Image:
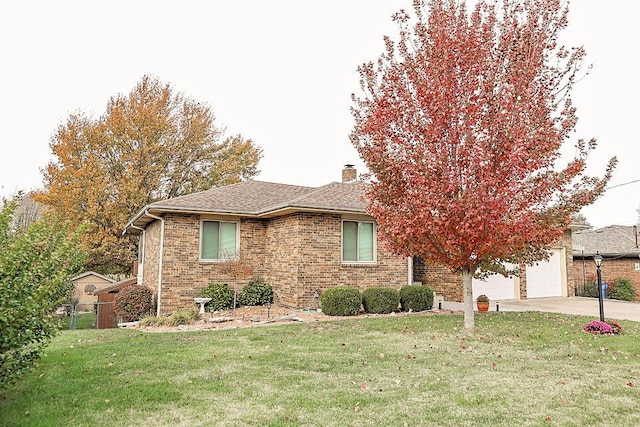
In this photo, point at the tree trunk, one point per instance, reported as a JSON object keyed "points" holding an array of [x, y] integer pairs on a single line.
{"points": [[468, 298]]}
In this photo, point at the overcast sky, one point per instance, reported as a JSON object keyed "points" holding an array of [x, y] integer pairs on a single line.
{"points": [[278, 72]]}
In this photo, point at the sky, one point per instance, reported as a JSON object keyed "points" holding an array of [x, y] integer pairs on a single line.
{"points": [[280, 72]]}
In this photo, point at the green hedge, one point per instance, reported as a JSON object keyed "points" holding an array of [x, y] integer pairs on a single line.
{"points": [[416, 298], [622, 289], [341, 301], [221, 297], [256, 293], [380, 300]]}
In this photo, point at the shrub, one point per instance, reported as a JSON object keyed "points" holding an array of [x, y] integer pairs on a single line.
{"points": [[590, 290], [597, 327], [341, 301], [622, 289], [221, 297], [256, 293], [36, 262], [133, 302], [153, 321], [416, 298], [380, 300]]}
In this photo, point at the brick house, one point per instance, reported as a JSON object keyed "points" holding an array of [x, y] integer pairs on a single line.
{"points": [[619, 247], [300, 240]]}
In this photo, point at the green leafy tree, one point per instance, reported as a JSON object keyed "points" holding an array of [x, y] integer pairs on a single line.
{"points": [[36, 263], [151, 145]]}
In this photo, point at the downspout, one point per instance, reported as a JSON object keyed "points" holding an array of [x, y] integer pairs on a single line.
{"points": [[410, 270], [159, 258]]}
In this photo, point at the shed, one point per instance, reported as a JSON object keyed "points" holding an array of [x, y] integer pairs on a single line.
{"points": [[86, 284], [106, 315]]}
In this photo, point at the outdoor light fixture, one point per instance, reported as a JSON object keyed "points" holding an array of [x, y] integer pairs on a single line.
{"points": [[597, 258]]}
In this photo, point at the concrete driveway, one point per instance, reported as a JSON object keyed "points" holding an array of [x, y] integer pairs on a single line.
{"points": [[613, 309]]}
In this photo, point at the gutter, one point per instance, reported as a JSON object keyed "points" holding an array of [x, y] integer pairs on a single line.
{"points": [[146, 212]]}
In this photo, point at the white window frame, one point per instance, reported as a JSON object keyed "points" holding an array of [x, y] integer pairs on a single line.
{"points": [[213, 260], [374, 237]]}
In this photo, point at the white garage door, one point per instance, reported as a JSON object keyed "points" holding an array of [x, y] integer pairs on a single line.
{"points": [[496, 287], [545, 279]]}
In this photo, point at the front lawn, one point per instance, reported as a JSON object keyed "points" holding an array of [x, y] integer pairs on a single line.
{"points": [[517, 369]]}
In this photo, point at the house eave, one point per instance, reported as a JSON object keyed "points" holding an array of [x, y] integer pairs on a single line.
{"points": [[141, 220], [607, 255]]}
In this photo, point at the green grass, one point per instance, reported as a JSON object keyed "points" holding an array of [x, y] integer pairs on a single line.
{"points": [[84, 320], [516, 369]]}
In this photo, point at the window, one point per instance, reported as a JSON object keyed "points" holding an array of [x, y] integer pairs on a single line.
{"points": [[358, 241], [218, 240]]}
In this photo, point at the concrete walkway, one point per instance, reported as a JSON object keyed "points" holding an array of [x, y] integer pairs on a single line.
{"points": [[613, 309]]}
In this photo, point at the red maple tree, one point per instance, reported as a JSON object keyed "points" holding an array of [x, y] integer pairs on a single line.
{"points": [[461, 123]]}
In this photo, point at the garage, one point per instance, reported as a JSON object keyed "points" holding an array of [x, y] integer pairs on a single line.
{"points": [[546, 278], [543, 280], [496, 287]]}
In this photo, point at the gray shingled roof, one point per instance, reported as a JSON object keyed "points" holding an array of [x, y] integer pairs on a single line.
{"points": [[259, 198], [613, 240], [249, 198]]}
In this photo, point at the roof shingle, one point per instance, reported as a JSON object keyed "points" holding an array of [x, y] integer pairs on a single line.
{"points": [[260, 198], [613, 240]]}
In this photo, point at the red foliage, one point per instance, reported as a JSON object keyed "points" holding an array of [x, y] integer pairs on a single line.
{"points": [[461, 125], [133, 302]]}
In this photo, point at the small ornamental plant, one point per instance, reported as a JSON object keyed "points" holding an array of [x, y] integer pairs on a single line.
{"points": [[617, 328], [482, 298], [598, 327]]}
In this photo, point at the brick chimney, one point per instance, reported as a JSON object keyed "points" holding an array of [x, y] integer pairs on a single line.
{"points": [[349, 173]]}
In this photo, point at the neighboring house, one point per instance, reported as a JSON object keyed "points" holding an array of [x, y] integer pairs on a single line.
{"points": [[550, 278], [86, 284], [300, 240], [619, 247]]}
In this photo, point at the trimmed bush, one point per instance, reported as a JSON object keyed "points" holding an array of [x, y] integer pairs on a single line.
{"points": [[221, 297], [416, 298], [622, 289], [256, 293], [133, 302], [341, 301], [380, 300]]}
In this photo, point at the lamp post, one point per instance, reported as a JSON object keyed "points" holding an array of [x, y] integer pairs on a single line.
{"points": [[598, 260]]}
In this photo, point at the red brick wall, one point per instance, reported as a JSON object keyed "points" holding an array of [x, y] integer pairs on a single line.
{"points": [[151, 256], [611, 270], [439, 278], [320, 264], [296, 254]]}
